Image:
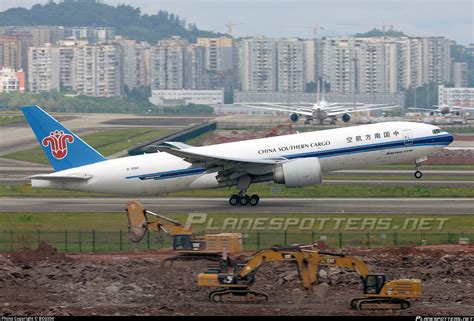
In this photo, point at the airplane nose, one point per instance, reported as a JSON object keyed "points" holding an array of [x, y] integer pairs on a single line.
{"points": [[450, 138]]}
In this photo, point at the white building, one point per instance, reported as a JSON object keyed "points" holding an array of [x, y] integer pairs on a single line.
{"points": [[98, 70], [291, 65], [11, 80], [168, 60], [385, 64], [457, 96], [44, 66], [258, 64], [186, 96], [459, 73], [136, 62]]}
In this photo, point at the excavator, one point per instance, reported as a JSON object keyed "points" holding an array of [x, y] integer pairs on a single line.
{"points": [[379, 292], [215, 247]]}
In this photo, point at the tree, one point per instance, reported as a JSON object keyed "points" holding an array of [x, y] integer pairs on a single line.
{"points": [[422, 97], [127, 21]]}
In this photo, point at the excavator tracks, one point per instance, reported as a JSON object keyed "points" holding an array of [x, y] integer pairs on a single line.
{"points": [[379, 304], [237, 296]]}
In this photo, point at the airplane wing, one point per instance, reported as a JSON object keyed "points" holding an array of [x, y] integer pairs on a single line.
{"points": [[425, 109], [459, 107], [212, 161], [339, 112], [64, 178], [227, 167], [282, 109]]}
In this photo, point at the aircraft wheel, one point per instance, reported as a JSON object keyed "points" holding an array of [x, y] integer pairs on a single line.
{"points": [[254, 199], [244, 200], [418, 174], [234, 199]]}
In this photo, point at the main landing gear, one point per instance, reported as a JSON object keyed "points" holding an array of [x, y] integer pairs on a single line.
{"points": [[242, 198]]}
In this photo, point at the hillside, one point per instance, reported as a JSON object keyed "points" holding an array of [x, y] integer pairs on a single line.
{"points": [[127, 21]]}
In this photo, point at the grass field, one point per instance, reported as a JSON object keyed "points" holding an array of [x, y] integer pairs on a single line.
{"points": [[269, 190], [11, 119], [107, 232], [114, 221], [106, 142]]}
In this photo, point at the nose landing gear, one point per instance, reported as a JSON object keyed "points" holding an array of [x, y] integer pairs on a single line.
{"points": [[418, 174]]}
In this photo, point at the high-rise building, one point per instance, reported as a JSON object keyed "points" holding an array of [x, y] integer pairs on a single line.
{"points": [[10, 52], [459, 72], [219, 62], [384, 64], [136, 67], [291, 65], [98, 70], [43, 72], [176, 64], [313, 59], [168, 64], [258, 64], [195, 76], [219, 53]]}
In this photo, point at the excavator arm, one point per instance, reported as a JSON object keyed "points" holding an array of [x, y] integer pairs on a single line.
{"points": [[339, 260], [138, 223]]}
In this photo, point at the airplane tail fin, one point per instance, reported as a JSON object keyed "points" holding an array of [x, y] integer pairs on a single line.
{"points": [[62, 147]]}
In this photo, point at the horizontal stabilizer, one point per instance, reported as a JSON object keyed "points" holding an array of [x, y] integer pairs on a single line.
{"points": [[56, 178]]}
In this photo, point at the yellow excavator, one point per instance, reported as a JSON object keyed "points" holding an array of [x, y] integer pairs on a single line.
{"points": [[186, 245], [379, 293]]}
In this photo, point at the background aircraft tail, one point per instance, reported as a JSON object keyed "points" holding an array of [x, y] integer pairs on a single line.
{"points": [[62, 147]]}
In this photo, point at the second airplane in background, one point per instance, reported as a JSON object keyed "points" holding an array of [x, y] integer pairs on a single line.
{"points": [[319, 111]]}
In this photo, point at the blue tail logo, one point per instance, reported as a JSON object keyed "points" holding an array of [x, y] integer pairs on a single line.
{"points": [[63, 148], [58, 141]]}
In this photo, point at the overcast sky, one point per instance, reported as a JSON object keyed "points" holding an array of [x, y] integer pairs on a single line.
{"points": [[282, 18]]}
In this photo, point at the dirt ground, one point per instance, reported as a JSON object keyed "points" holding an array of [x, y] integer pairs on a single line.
{"points": [[44, 282]]}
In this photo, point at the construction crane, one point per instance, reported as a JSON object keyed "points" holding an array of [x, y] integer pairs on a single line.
{"points": [[185, 244], [378, 291]]}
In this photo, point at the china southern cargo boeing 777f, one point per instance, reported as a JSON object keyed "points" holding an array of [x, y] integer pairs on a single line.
{"points": [[295, 160]]}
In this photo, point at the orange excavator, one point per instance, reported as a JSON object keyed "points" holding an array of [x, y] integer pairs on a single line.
{"points": [[379, 292], [185, 244]]}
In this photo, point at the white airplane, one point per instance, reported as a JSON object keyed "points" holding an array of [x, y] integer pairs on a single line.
{"points": [[320, 110], [295, 160]]}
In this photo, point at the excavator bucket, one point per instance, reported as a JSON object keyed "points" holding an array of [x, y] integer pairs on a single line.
{"points": [[137, 221], [297, 296], [321, 291]]}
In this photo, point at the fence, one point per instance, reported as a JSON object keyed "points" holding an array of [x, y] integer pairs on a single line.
{"points": [[116, 241]]}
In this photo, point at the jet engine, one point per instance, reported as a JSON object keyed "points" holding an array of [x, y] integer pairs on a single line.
{"points": [[346, 117], [294, 117], [300, 172]]}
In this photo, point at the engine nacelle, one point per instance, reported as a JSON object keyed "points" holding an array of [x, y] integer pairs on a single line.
{"points": [[294, 117], [300, 172], [346, 117]]}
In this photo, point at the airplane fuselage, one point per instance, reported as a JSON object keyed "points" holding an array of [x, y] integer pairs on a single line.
{"points": [[336, 149]]}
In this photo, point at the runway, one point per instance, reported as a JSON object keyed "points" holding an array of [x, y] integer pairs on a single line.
{"points": [[433, 206]]}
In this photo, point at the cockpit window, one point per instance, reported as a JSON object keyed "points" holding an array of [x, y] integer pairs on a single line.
{"points": [[436, 131]]}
